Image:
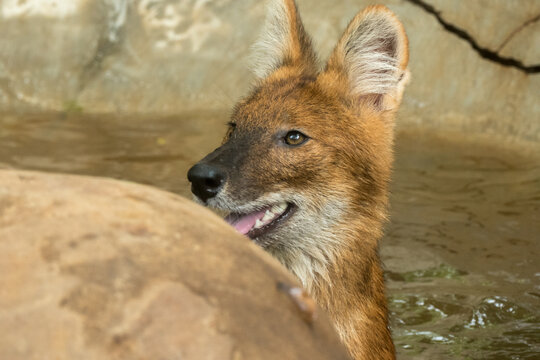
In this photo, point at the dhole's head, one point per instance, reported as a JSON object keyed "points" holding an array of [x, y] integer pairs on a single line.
{"points": [[308, 152]]}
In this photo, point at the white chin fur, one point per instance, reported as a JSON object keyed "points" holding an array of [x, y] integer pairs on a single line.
{"points": [[308, 242]]}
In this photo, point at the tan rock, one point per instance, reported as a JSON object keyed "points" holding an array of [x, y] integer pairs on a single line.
{"points": [[102, 269], [454, 88], [514, 44], [490, 22]]}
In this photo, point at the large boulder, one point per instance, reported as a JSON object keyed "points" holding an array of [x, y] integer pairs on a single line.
{"points": [[101, 269]]}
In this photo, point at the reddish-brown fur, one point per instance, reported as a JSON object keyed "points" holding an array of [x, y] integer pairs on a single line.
{"points": [[340, 175]]}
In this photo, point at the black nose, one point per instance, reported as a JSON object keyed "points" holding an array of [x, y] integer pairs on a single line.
{"points": [[206, 180]]}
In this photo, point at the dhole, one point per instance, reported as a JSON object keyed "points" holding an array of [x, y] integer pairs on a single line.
{"points": [[305, 164]]}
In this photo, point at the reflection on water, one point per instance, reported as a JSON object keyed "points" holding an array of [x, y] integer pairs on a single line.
{"points": [[460, 251], [145, 150]]}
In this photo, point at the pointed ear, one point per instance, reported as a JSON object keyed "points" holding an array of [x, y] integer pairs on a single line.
{"points": [[283, 42], [371, 58]]}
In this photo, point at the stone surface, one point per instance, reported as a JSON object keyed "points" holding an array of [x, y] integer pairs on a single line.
{"points": [[526, 35], [483, 19], [162, 56], [102, 269]]}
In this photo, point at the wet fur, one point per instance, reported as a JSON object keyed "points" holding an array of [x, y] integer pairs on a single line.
{"points": [[338, 179]]}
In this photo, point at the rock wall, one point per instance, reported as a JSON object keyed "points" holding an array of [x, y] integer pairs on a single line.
{"points": [[475, 65], [102, 269]]}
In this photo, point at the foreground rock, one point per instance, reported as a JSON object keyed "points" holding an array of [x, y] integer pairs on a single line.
{"points": [[101, 269]]}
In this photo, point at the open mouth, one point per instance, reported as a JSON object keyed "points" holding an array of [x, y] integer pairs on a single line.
{"points": [[260, 222]]}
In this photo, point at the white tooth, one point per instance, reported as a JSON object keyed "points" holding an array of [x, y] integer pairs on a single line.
{"points": [[258, 224], [279, 208], [267, 216]]}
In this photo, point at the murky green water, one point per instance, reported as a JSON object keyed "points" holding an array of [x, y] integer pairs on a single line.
{"points": [[462, 249]]}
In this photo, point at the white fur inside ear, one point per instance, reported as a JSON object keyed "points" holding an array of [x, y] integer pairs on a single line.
{"points": [[271, 47], [370, 56]]}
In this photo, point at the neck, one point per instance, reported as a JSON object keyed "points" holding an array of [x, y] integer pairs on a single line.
{"points": [[353, 293]]}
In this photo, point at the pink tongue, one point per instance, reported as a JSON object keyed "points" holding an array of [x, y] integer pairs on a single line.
{"points": [[245, 222]]}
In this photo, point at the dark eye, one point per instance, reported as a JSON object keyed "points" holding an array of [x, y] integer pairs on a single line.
{"points": [[295, 138]]}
